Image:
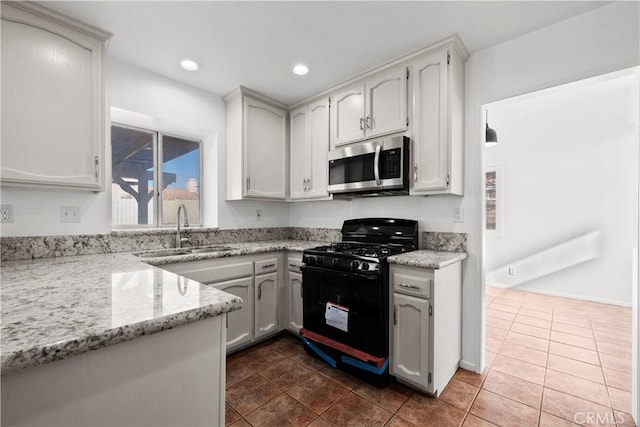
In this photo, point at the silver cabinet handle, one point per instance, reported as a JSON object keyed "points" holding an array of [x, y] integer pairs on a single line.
{"points": [[404, 285], [361, 124], [294, 266], [259, 290], [376, 165], [248, 183], [395, 314], [268, 266], [97, 160], [367, 122], [415, 172]]}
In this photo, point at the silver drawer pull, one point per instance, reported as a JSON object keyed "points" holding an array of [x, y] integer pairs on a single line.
{"points": [[404, 285], [268, 266], [294, 265]]}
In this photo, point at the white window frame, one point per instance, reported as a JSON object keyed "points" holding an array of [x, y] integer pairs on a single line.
{"points": [[160, 128]]}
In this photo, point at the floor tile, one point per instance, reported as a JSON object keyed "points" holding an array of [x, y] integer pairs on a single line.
{"points": [[617, 379], [386, 397], [614, 362], [501, 307], [496, 333], [340, 377], [527, 354], [310, 362], [230, 414], [500, 314], [492, 344], [422, 410], [288, 346], [470, 377], [459, 394], [608, 328], [503, 411], [620, 399], [575, 321], [317, 392], [528, 341], [241, 423], [578, 387], [615, 349], [489, 357], [571, 408], [355, 410], [513, 294], [237, 371], [533, 321], [514, 388], [250, 393], [624, 419], [623, 340], [507, 301], [588, 343], [492, 322], [286, 373], [518, 368], [575, 368], [577, 353], [281, 411], [574, 330], [533, 331], [548, 420], [537, 314], [396, 421], [473, 421], [537, 306], [261, 358]]}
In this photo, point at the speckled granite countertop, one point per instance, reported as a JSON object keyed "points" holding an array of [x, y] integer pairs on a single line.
{"points": [[427, 259], [54, 308]]}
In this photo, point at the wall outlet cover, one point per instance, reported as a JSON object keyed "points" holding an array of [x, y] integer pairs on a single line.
{"points": [[458, 215], [6, 213], [512, 271], [258, 214], [69, 214]]}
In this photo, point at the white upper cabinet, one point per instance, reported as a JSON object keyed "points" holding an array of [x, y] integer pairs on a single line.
{"points": [[377, 106], [309, 145], [437, 126], [52, 99], [256, 147]]}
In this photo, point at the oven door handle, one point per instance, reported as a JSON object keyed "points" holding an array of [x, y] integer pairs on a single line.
{"points": [[376, 165]]}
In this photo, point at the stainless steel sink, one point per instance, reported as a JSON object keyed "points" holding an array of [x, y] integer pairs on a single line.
{"points": [[209, 249], [185, 251], [158, 254]]}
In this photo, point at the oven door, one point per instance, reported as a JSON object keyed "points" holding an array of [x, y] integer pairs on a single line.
{"points": [[364, 298], [368, 166]]}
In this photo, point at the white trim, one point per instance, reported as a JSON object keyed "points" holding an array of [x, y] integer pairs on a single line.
{"points": [[561, 294], [468, 366]]}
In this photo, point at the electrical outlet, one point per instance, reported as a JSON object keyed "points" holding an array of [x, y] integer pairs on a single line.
{"points": [[6, 213], [258, 214], [512, 271], [458, 215], [69, 214]]}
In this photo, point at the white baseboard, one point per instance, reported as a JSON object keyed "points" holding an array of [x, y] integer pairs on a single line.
{"points": [[467, 365], [562, 294]]}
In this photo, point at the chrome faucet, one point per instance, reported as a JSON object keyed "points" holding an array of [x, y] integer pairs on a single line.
{"points": [[180, 240]]}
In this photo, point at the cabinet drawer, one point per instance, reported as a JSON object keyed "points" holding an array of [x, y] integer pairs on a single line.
{"points": [[266, 265], [412, 282], [294, 262], [201, 272]]}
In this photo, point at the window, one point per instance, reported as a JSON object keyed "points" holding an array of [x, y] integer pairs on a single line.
{"points": [[493, 184], [153, 173]]}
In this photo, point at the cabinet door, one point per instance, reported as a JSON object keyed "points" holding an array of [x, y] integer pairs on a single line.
{"points": [[347, 116], [52, 112], [300, 145], [386, 99], [430, 120], [266, 303], [319, 139], [410, 339], [294, 297], [264, 150], [240, 322]]}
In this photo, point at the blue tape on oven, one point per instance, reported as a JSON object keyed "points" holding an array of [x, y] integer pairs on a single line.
{"points": [[360, 364], [320, 353]]}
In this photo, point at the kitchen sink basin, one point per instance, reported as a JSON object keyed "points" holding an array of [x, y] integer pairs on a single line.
{"points": [[185, 251]]}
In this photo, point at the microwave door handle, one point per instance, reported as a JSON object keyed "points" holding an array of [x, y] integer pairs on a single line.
{"points": [[376, 165]]}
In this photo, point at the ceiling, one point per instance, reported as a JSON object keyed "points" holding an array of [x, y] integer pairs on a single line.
{"points": [[256, 44]]}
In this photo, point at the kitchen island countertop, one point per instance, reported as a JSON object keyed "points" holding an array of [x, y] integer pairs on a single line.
{"points": [[427, 259], [53, 308]]}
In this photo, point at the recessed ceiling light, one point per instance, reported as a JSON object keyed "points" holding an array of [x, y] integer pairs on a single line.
{"points": [[300, 69], [189, 64]]}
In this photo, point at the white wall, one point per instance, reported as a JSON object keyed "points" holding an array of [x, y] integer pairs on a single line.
{"points": [[170, 104], [568, 158]]}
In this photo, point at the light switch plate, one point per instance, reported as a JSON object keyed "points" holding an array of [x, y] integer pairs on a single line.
{"points": [[69, 214]]}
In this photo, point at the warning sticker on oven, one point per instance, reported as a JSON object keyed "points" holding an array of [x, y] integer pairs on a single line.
{"points": [[337, 316]]}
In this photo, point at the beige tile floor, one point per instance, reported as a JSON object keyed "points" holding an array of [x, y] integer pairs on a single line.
{"points": [[550, 362]]}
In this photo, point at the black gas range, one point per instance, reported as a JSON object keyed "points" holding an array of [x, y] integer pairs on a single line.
{"points": [[346, 293]]}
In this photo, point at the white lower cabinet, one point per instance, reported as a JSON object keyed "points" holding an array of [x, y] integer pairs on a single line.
{"points": [[425, 325], [239, 322], [294, 294], [266, 304]]}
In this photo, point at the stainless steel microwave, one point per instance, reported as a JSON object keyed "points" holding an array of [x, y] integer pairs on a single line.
{"points": [[375, 167]]}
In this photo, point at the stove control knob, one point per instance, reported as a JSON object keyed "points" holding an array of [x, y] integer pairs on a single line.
{"points": [[320, 260], [336, 262], [365, 266], [354, 265], [311, 260]]}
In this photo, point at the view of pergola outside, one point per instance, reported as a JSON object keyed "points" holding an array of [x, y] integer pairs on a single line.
{"points": [[144, 161]]}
